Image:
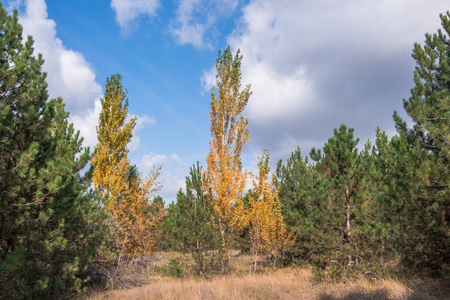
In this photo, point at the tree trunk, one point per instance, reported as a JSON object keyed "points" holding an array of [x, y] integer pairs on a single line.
{"points": [[224, 248], [348, 233]]}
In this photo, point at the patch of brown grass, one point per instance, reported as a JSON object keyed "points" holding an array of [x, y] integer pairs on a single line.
{"points": [[288, 283], [277, 285]]}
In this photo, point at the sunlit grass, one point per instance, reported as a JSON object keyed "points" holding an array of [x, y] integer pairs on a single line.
{"points": [[287, 283]]}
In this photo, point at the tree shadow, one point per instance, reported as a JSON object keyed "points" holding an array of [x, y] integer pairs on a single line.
{"points": [[430, 292], [381, 294]]}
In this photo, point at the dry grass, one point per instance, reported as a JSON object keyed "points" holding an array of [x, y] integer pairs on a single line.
{"points": [[286, 283]]}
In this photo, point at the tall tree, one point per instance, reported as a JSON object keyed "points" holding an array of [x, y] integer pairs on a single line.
{"points": [[110, 161], [127, 193], [190, 226], [428, 141], [50, 223], [224, 178], [342, 213], [341, 170]]}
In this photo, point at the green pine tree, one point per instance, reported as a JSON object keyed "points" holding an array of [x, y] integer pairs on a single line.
{"points": [[342, 220], [295, 181], [50, 224], [158, 208], [424, 153], [190, 224]]}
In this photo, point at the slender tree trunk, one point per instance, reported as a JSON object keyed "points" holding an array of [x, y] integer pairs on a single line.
{"points": [[256, 260], [274, 260], [224, 248], [348, 233], [255, 242]]}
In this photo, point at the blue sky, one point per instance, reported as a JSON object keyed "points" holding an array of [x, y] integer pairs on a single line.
{"points": [[313, 65]]}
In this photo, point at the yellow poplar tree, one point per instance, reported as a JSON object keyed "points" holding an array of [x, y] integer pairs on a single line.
{"points": [[268, 233], [110, 160], [126, 193], [224, 180]]}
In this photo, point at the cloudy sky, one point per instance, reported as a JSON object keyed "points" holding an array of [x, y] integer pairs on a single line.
{"points": [[312, 65]]}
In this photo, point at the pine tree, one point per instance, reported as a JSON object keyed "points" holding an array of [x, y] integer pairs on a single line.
{"points": [[224, 179], [295, 181], [426, 239], [50, 223], [393, 167], [158, 208], [190, 224], [343, 214]]}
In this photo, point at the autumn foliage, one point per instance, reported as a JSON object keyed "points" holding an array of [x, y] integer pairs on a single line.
{"points": [[111, 165], [224, 178], [268, 234], [126, 193]]}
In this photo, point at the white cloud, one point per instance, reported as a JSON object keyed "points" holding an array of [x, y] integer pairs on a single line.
{"points": [[129, 10], [171, 176], [134, 143], [171, 184], [313, 65], [151, 161], [15, 4], [87, 124], [277, 95], [184, 29], [140, 123], [195, 19], [142, 120], [177, 159], [185, 33], [208, 79], [69, 75]]}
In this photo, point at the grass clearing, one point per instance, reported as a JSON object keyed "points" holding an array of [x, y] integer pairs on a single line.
{"points": [[287, 283]]}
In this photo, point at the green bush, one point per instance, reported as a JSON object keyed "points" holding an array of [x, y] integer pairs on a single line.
{"points": [[173, 268]]}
